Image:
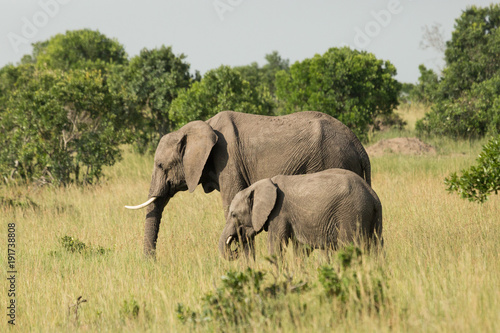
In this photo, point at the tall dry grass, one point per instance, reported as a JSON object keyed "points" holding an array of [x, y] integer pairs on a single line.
{"points": [[441, 257]]}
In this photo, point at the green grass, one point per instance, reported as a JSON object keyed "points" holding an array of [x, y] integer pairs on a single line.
{"points": [[441, 258]]}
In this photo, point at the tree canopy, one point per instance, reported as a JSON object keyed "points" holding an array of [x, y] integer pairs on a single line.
{"points": [[220, 89], [79, 49], [352, 86], [155, 78], [466, 97], [60, 127]]}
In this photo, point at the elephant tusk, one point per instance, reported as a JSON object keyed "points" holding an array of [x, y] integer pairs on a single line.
{"points": [[229, 239], [147, 203]]}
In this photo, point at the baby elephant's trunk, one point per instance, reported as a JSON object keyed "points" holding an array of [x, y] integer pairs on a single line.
{"points": [[226, 241]]}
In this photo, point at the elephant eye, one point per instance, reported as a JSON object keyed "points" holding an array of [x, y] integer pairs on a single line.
{"points": [[160, 165]]}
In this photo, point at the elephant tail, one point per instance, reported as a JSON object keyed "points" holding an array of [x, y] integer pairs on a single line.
{"points": [[365, 162], [367, 168], [377, 225]]}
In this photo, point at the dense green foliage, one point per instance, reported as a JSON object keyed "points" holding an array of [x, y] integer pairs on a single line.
{"points": [[219, 90], [472, 53], [60, 127], [352, 86], [477, 182], [155, 78], [474, 114], [66, 107], [264, 77], [426, 89], [79, 49], [466, 98]]}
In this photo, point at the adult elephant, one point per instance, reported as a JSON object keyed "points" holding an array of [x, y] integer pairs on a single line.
{"points": [[233, 150]]}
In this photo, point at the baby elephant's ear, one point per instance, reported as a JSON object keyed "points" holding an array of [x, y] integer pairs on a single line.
{"points": [[264, 199]]}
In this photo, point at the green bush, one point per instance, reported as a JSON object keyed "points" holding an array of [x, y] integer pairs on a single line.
{"points": [[248, 297], [264, 78], [61, 127], [129, 309], [426, 90], [474, 114], [352, 86], [472, 53], [242, 296], [79, 49], [154, 79], [348, 283], [466, 97], [74, 245], [219, 90], [479, 181]]}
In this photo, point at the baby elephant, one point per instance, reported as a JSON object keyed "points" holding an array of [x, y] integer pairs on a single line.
{"points": [[322, 210]]}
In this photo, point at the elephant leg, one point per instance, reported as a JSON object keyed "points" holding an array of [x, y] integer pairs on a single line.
{"points": [[279, 234]]}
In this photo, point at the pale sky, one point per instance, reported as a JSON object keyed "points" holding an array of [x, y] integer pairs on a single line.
{"points": [[238, 32]]}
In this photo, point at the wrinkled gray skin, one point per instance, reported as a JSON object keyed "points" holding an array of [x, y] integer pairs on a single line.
{"points": [[233, 150], [323, 210]]}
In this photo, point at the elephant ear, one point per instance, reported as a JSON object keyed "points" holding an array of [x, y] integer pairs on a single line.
{"points": [[196, 145], [264, 199]]}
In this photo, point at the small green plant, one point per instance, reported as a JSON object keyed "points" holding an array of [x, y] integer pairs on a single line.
{"points": [[347, 280], [74, 245], [130, 309]]}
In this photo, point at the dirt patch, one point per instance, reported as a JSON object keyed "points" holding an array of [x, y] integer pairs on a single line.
{"points": [[405, 146]]}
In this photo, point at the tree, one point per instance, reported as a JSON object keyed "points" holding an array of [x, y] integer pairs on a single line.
{"points": [[350, 85], [59, 126], [9, 75], [275, 63], [264, 78], [426, 89], [78, 49], [466, 98], [156, 77], [474, 114], [472, 53], [220, 89], [477, 182]]}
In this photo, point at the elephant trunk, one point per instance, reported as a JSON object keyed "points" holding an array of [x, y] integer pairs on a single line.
{"points": [[152, 225], [227, 238]]}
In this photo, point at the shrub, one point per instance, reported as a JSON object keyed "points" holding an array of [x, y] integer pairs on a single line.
{"points": [[62, 127], [245, 298], [74, 245], [479, 181], [347, 282], [474, 114], [219, 90], [79, 49], [155, 78], [129, 309], [352, 86]]}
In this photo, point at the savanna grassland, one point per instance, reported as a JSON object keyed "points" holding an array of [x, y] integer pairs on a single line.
{"points": [[439, 270]]}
